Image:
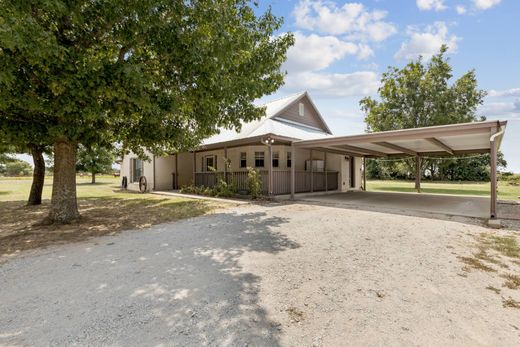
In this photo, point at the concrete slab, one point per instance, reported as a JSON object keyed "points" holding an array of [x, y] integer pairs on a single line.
{"points": [[466, 206]]}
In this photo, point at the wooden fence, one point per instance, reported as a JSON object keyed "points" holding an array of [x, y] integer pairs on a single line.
{"points": [[320, 181]]}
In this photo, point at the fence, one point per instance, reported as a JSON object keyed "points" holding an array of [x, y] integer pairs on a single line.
{"points": [[304, 182]]}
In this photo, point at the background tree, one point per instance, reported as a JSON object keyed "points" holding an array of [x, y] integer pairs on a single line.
{"points": [[15, 168], [155, 74], [420, 95], [95, 160]]}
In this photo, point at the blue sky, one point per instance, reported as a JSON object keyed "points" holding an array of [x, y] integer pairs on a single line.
{"points": [[342, 48]]}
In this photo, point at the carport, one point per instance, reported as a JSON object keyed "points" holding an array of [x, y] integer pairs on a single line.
{"points": [[444, 140]]}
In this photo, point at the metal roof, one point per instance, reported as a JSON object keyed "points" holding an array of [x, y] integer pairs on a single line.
{"points": [[450, 139], [270, 125]]}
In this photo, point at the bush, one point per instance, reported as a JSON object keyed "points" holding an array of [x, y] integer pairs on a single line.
{"points": [[510, 178], [254, 182], [18, 168]]}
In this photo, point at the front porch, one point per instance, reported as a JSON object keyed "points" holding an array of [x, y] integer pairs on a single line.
{"points": [[305, 181]]}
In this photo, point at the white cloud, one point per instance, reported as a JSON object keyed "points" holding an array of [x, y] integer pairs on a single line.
{"points": [[485, 4], [461, 9], [513, 92], [334, 84], [500, 109], [314, 52], [427, 42], [426, 5], [351, 19]]}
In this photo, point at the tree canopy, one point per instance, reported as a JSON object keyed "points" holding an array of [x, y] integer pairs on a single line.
{"points": [[158, 74], [418, 95]]}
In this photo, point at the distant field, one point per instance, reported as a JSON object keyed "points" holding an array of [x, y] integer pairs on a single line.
{"points": [[17, 188], [505, 192]]}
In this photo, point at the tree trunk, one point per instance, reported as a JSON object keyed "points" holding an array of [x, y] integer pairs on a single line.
{"points": [[93, 178], [35, 197], [64, 206]]}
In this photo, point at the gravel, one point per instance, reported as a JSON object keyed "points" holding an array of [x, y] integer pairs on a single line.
{"points": [[281, 274]]}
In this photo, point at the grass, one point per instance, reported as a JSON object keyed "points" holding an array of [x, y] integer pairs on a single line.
{"points": [[505, 191], [104, 207]]}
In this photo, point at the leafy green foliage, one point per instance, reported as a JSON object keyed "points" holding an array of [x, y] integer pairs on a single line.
{"points": [[254, 182], [17, 168], [420, 95], [158, 74], [95, 159]]}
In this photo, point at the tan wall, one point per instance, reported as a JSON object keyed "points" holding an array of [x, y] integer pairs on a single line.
{"points": [[165, 166], [147, 171]]}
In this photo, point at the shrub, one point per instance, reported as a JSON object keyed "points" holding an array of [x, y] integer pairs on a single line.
{"points": [[18, 168], [254, 182]]}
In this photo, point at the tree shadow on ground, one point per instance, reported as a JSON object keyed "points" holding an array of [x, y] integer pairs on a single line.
{"points": [[177, 284], [19, 229]]}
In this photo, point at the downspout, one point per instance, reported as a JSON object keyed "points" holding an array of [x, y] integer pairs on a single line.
{"points": [[153, 172]]}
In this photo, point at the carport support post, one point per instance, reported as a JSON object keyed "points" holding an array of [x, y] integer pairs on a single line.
{"points": [[418, 173], [293, 170], [493, 174], [364, 174], [326, 174]]}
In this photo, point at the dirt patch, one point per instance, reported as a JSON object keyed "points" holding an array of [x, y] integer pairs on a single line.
{"points": [[19, 229], [497, 254]]}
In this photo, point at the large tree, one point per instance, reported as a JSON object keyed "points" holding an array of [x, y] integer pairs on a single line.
{"points": [[95, 160], [155, 74], [418, 95]]}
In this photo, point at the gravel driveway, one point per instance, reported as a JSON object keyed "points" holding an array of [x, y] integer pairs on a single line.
{"points": [[288, 275]]}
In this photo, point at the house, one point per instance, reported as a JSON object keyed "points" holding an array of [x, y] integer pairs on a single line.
{"points": [[266, 145]]}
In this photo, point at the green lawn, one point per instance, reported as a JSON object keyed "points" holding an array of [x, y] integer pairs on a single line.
{"points": [[17, 188], [505, 192]]}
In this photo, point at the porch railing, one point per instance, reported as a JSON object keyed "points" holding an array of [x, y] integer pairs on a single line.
{"points": [[321, 181]]}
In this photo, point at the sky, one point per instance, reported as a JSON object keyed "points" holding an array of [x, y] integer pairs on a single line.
{"points": [[343, 47]]}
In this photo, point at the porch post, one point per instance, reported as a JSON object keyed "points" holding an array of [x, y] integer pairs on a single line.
{"points": [[194, 166], [293, 170], [312, 173], [493, 175], [325, 169], [365, 174], [270, 191], [418, 173], [225, 164]]}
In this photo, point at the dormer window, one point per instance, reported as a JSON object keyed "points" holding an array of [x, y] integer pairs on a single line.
{"points": [[301, 109]]}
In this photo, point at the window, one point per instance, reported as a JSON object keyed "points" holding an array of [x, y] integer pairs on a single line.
{"points": [[276, 159], [289, 157], [210, 163], [317, 165], [137, 169], [259, 159], [301, 109], [243, 159]]}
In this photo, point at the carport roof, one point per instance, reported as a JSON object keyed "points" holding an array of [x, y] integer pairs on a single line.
{"points": [[436, 140]]}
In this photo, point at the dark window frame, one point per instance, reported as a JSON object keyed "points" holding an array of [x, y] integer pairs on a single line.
{"points": [[259, 160], [276, 159], [243, 160]]}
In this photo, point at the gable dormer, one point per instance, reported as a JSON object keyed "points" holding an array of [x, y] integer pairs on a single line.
{"points": [[303, 111]]}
